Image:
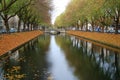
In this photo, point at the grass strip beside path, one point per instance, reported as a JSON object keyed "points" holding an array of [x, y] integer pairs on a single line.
{"points": [[11, 41], [109, 39]]}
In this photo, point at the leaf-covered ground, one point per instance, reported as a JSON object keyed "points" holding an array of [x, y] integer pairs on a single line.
{"points": [[11, 41], [106, 38]]}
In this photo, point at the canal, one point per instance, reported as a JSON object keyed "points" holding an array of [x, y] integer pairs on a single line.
{"points": [[61, 57]]}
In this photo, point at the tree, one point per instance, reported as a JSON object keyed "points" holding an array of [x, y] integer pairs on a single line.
{"points": [[38, 13], [12, 11], [113, 9], [6, 4], [101, 13]]}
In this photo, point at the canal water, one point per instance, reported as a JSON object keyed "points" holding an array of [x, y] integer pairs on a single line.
{"points": [[61, 57]]}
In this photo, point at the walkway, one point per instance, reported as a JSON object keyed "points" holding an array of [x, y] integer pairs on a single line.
{"points": [[105, 38], [11, 41]]}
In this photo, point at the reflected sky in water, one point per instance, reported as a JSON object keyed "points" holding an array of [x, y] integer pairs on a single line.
{"points": [[59, 69]]}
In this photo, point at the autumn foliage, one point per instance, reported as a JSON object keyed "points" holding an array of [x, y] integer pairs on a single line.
{"points": [[11, 41], [110, 39]]}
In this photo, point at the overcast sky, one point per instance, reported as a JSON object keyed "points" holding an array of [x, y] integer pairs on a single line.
{"points": [[59, 7]]}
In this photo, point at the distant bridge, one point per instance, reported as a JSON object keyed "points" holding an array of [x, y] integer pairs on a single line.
{"points": [[56, 30]]}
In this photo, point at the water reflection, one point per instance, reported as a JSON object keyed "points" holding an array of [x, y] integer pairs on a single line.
{"points": [[59, 69], [27, 63], [61, 57], [91, 62]]}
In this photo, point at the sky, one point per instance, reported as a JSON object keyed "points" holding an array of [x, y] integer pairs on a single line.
{"points": [[59, 7]]}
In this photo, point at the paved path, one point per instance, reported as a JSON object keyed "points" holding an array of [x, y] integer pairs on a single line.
{"points": [[105, 38], [11, 41]]}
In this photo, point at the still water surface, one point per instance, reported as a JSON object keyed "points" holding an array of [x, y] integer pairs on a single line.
{"points": [[61, 57], [60, 69]]}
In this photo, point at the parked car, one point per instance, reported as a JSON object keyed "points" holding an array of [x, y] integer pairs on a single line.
{"points": [[118, 31], [111, 31], [3, 31], [12, 30], [97, 29]]}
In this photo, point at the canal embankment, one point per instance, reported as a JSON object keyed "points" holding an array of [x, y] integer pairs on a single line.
{"points": [[9, 42], [108, 39]]}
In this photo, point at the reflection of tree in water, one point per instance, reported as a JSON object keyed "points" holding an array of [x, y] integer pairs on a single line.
{"points": [[12, 70], [117, 59], [31, 64], [91, 61], [106, 61], [35, 65]]}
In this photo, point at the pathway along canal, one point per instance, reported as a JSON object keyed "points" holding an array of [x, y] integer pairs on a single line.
{"points": [[61, 57]]}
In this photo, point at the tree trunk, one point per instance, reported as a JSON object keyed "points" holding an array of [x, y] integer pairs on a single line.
{"points": [[116, 25], [7, 25], [81, 26], [19, 25], [24, 26], [31, 27], [77, 26], [102, 29], [92, 26], [28, 26], [86, 25]]}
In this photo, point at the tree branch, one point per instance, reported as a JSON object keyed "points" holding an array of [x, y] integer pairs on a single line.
{"points": [[2, 16], [6, 7], [19, 10]]}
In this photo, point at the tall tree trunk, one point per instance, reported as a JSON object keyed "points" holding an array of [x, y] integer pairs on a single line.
{"points": [[92, 26], [24, 26], [7, 25], [19, 25], [31, 27], [28, 26], [77, 26], [81, 26], [116, 25], [116, 19], [86, 25], [102, 29]]}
